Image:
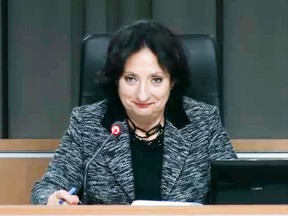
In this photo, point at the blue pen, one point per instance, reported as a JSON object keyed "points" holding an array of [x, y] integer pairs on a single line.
{"points": [[71, 191]]}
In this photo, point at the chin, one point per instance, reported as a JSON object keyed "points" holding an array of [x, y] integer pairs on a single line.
{"points": [[143, 113]]}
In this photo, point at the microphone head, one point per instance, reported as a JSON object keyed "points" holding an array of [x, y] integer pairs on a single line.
{"points": [[117, 128]]}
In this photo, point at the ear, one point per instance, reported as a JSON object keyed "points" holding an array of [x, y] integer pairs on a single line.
{"points": [[172, 85]]}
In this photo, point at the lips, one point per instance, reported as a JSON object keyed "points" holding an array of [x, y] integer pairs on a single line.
{"points": [[142, 105]]}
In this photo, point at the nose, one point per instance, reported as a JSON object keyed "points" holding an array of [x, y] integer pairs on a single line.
{"points": [[143, 92]]}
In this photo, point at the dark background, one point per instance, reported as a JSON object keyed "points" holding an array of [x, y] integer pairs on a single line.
{"points": [[41, 40]]}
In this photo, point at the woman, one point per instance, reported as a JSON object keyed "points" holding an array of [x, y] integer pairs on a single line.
{"points": [[168, 142]]}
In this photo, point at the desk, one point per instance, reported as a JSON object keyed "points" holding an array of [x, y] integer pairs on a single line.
{"points": [[23, 161], [145, 210]]}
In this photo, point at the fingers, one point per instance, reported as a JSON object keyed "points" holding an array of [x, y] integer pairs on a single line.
{"points": [[62, 197]]}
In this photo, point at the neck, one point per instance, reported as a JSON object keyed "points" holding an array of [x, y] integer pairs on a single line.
{"points": [[144, 134], [145, 123]]}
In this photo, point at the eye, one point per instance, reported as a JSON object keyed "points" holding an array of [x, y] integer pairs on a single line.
{"points": [[157, 80], [130, 79]]}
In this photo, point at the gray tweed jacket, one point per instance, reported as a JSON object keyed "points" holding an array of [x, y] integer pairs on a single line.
{"points": [[188, 152]]}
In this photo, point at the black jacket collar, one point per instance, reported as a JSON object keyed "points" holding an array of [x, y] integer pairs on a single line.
{"points": [[174, 112]]}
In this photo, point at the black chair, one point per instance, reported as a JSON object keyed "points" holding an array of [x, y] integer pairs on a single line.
{"points": [[202, 57]]}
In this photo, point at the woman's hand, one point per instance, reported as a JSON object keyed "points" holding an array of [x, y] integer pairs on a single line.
{"points": [[65, 196]]}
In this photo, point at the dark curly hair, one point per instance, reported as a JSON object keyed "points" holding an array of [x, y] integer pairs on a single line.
{"points": [[161, 41]]}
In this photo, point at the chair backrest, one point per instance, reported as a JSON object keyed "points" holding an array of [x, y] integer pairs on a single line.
{"points": [[202, 57]]}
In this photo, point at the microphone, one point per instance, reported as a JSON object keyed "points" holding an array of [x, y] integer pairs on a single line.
{"points": [[116, 130]]}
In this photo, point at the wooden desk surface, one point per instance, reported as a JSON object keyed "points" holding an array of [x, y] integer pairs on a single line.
{"points": [[145, 210]]}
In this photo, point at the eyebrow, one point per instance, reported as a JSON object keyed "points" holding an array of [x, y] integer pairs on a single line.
{"points": [[155, 73]]}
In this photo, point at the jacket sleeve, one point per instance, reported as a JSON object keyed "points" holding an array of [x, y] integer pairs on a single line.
{"points": [[220, 147], [66, 168]]}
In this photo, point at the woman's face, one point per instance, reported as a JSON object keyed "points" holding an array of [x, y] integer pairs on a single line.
{"points": [[144, 87]]}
